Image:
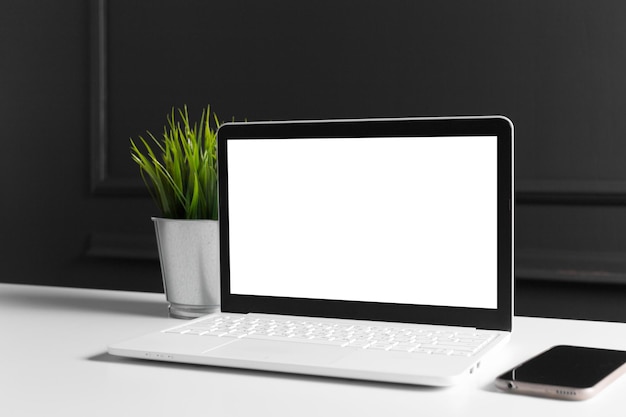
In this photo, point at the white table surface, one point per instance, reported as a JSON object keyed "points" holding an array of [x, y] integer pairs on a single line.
{"points": [[53, 361]]}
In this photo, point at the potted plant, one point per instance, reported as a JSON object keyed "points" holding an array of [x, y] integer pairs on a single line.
{"points": [[180, 171]]}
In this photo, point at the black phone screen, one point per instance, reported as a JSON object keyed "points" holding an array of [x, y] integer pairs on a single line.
{"points": [[568, 366]]}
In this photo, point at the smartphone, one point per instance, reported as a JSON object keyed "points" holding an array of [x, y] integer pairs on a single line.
{"points": [[565, 372]]}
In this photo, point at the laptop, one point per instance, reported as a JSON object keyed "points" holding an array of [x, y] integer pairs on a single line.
{"points": [[371, 249]]}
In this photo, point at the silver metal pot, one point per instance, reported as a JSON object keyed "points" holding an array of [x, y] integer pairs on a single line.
{"points": [[189, 254]]}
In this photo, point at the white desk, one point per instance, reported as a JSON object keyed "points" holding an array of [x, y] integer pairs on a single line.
{"points": [[53, 361]]}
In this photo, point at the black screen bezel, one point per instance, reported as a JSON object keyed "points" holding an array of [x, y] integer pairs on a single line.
{"points": [[496, 319]]}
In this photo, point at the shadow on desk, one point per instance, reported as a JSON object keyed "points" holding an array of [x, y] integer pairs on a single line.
{"points": [[113, 302]]}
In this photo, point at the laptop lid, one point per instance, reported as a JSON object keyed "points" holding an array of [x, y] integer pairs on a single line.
{"points": [[401, 220]]}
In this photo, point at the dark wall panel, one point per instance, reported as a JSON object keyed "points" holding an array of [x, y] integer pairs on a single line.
{"points": [[78, 78], [556, 68]]}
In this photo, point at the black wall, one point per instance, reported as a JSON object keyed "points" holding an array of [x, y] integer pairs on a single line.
{"points": [[78, 78]]}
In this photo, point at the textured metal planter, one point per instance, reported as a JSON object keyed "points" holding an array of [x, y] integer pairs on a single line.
{"points": [[189, 254]]}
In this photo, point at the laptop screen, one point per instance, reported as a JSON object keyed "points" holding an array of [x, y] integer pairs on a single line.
{"points": [[330, 218], [406, 218]]}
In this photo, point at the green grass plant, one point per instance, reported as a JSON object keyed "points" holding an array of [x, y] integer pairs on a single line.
{"points": [[180, 170]]}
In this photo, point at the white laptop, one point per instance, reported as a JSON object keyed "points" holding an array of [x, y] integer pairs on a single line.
{"points": [[377, 249]]}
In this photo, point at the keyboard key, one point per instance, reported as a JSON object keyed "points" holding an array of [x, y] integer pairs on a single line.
{"points": [[380, 346], [215, 333], [402, 347], [359, 343]]}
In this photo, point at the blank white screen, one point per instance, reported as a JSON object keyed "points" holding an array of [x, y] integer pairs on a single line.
{"points": [[396, 220]]}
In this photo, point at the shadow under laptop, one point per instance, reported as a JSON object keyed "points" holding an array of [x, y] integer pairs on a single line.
{"points": [[491, 387], [107, 358]]}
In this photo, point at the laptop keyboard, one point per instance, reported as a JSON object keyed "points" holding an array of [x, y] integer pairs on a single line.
{"points": [[412, 338]]}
